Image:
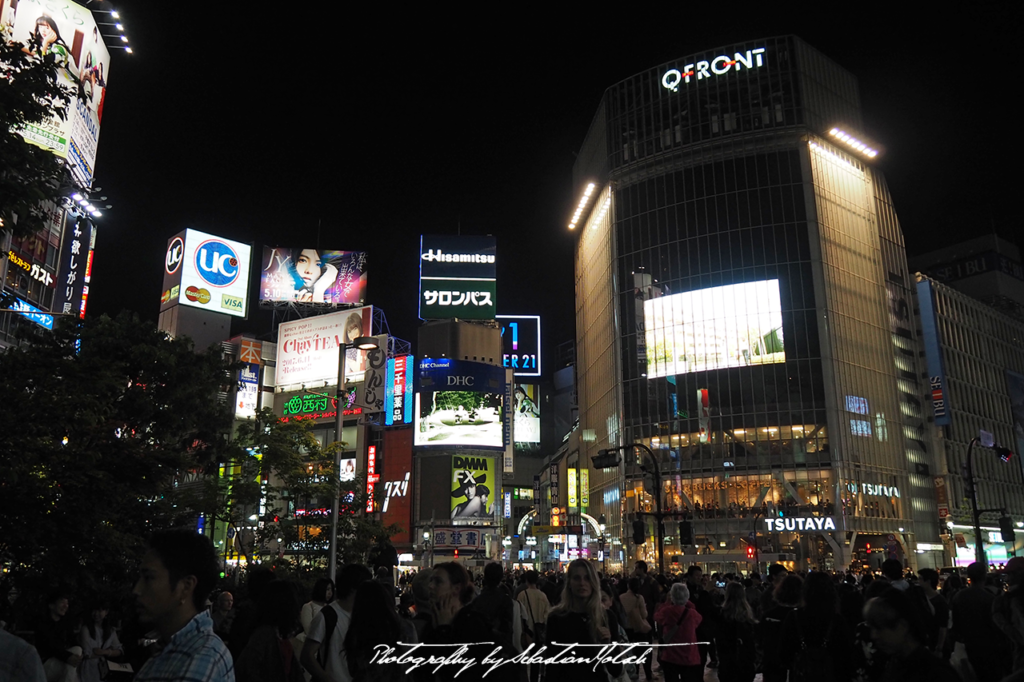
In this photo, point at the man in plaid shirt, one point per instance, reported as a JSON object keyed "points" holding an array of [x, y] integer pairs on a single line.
{"points": [[177, 574]]}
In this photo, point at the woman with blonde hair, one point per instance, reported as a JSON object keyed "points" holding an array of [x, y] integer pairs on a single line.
{"points": [[580, 618], [736, 633]]}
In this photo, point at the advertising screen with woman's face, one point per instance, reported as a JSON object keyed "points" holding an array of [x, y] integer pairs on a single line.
{"points": [[313, 276]]}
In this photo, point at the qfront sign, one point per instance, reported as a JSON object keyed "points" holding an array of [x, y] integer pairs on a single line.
{"points": [[457, 277], [801, 523], [720, 65]]}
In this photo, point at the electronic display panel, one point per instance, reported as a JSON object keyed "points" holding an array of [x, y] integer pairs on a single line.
{"points": [[520, 340], [459, 405], [313, 276], [526, 411], [736, 325], [68, 32]]}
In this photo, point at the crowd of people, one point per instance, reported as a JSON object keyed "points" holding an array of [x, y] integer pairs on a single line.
{"points": [[813, 626]]}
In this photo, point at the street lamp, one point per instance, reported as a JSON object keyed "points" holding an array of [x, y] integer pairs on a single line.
{"points": [[362, 343], [1005, 455], [607, 458]]}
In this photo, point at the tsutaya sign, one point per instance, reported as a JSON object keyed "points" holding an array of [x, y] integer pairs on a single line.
{"points": [[801, 523], [751, 59], [869, 489]]}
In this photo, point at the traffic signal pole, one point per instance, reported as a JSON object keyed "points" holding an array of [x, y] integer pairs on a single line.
{"points": [[658, 514]]}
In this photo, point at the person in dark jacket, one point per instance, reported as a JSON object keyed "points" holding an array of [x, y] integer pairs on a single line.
{"points": [[678, 619], [818, 625], [899, 629], [786, 599], [737, 649], [268, 655]]}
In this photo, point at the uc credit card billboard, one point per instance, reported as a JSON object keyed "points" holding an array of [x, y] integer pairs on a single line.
{"points": [[207, 272], [459, 404]]}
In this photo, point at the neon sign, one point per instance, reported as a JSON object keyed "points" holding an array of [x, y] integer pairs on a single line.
{"points": [[722, 64], [371, 475]]}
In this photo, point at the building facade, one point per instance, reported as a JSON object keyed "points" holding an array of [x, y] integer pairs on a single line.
{"points": [[744, 310], [975, 356]]}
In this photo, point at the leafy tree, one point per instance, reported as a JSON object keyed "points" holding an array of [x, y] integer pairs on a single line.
{"points": [[283, 465], [100, 417], [30, 93]]}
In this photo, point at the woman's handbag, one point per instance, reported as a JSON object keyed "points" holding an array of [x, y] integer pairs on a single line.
{"points": [[645, 627]]}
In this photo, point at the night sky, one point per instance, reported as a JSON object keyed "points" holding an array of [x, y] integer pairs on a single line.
{"points": [[298, 127]]}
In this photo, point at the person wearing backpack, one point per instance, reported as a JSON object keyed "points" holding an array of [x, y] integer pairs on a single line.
{"points": [[323, 655], [817, 642], [678, 620]]}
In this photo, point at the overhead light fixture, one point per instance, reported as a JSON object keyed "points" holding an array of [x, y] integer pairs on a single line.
{"points": [[853, 142], [582, 205], [115, 15], [128, 50], [119, 27], [124, 39]]}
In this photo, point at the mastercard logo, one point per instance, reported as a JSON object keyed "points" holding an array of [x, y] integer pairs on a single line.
{"points": [[195, 294]]}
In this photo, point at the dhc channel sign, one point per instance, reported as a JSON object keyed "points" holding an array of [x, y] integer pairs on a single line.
{"points": [[217, 263]]}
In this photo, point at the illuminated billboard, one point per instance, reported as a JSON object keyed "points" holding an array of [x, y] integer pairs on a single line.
{"points": [[307, 349], [398, 399], [313, 276], [206, 272], [474, 488], [520, 340], [526, 409], [457, 277], [69, 32], [736, 325], [459, 405]]}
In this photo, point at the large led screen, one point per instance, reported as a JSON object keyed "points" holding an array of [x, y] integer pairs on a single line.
{"points": [[459, 404], [736, 325], [526, 407], [69, 32], [313, 276], [475, 485]]}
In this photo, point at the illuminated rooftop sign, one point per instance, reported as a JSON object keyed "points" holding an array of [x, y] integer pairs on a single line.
{"points": [[751, 59]]}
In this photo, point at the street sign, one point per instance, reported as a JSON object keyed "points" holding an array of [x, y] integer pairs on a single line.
{"points": [[231, 533]]}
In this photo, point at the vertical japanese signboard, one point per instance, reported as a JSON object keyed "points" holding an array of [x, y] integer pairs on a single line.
{"points": [[509, 461], [371, 395], [933, 353], [371, 475], [398, 398], [74, 265]]}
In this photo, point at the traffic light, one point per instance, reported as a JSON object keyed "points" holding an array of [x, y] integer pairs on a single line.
{"points": [[1004, 454], [686, 533], [1006, 529], [639, 532], [751, 551], [606, 459], [456, 552]]}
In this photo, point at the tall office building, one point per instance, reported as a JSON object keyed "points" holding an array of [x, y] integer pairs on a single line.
{"points": [[744, 309]]}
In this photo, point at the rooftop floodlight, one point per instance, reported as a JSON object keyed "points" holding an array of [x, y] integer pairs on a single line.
{"points": [[582, 205], [77, 197], [96, 214], [124, 39], [128, 50], [115, 15], [119, 27], [853, 142]]}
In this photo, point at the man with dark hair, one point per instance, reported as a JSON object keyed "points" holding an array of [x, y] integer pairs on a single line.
{"points": [[55, 640], [776, 574], [324, 652], [893, 570], [939, 620], [495, 605], [988, 650], [178, 572]]}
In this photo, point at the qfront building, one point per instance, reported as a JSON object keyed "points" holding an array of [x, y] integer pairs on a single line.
{"points": [[744, 310]]}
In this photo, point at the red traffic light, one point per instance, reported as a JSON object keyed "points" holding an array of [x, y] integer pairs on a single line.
{"points": [[750, 552]]}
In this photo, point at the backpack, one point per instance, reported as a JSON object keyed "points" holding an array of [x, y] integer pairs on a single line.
{"points": [[813, 663], [330, 622]]}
